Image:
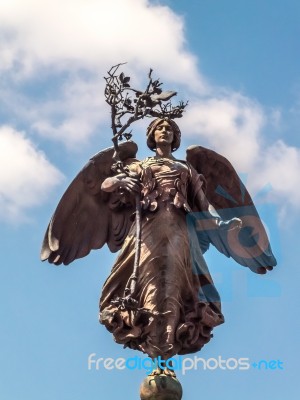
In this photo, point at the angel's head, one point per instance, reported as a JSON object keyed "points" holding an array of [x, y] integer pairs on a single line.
{"points": [[163, 130]]}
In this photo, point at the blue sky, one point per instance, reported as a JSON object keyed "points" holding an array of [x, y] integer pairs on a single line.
{"points": [[238, 64]]}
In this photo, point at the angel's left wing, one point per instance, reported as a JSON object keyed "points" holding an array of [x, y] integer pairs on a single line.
{"points": [[249, 246], [86, 217]]}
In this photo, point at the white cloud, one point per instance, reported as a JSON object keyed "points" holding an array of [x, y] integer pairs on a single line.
{"points": [[280, 165], [77, 41], [74, 42], [26, 176], [230, 124], [94, 34], [233, 125], [275, 118], [75, 115]]}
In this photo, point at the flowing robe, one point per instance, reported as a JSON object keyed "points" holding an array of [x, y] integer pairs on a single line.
{"points": [[178, 305]]}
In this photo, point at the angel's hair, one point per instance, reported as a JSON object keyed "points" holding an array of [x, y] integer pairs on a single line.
{"points": [[150, 133]]}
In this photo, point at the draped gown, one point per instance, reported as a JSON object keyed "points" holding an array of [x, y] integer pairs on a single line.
{"points": [[176, 313]]}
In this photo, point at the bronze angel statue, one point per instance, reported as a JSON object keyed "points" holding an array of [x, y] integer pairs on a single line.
{"points": [[168, 211]]}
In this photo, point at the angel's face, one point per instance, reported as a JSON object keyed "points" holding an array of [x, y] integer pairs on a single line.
{"points": [[163, 133]]}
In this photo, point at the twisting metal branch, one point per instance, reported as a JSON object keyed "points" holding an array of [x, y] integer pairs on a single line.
{"points": [[152, 102]]}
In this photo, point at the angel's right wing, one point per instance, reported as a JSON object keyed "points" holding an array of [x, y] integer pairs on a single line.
{"points": [[86, 217], [250, 245]]}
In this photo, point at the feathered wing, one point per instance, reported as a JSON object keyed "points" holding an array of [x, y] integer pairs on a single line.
{"points": [[86, 217], [249, 246]]}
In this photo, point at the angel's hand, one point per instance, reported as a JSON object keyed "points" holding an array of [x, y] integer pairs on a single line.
{"points": [[130, 183], [230, 224], [121, 181]]}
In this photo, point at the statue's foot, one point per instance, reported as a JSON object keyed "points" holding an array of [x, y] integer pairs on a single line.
{"points": [[155, 372], [169, 372]]}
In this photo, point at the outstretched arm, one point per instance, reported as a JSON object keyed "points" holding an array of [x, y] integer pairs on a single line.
{"points": [[201, 203]]}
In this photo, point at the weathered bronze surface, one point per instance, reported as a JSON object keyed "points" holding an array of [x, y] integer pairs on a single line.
{"points": [[170, 318], [172, 313], [159, 297]]}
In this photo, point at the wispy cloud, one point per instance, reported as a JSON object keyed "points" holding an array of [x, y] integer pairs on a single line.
{"points": [[229, 123], [26, 176], [75, 47], [280, 164], [74, 116], [92, 34], [235, 126], [53, 63]]}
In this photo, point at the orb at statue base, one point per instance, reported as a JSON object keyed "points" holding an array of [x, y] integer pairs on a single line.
{"points": [[160, 387]]}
